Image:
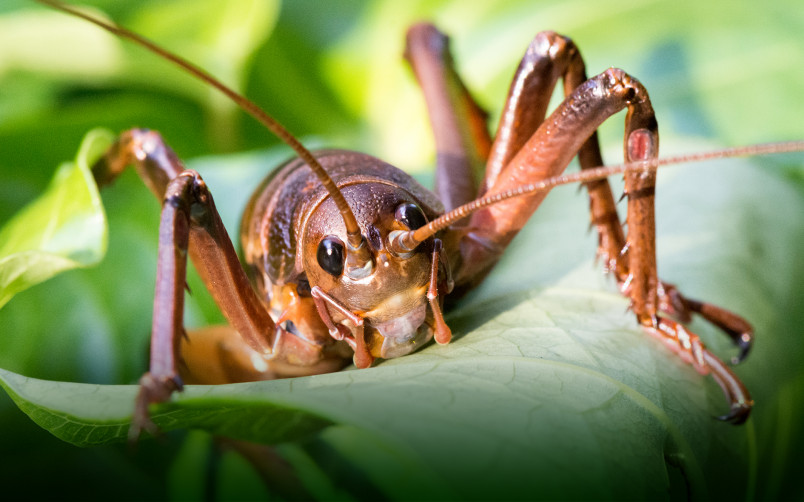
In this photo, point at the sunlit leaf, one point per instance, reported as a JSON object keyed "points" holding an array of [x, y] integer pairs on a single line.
{"points": [[63, 229]]}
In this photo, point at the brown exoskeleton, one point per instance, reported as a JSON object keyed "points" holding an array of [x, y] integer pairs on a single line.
{"points": [[350, 259]]}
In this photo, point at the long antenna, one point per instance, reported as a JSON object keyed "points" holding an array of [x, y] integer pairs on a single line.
{"points": [[358, 250], [407, 241]]}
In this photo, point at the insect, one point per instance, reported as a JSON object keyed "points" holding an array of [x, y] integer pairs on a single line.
{"points": [[350, 261]]}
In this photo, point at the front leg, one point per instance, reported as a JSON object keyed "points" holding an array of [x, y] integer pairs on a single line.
{"points": [[189, 223], [167, 325], [210, 247]]}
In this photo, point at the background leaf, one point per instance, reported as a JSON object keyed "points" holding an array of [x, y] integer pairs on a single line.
{"points": [[62, 229], [720, 74]]}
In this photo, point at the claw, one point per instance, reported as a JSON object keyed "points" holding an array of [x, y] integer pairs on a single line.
{"points": [[737, 328], [141, 420], [152, 390], [689, 347], [744, 343], [733, 388], [738, 414]]}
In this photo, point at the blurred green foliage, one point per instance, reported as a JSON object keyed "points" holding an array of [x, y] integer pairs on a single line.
{"points": [[719, 73]]}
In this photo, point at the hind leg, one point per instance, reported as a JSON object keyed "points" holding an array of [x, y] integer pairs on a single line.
{"points": [[529, 148]]}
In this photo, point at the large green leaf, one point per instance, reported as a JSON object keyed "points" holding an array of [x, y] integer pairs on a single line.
{"points": [[546, 380], [64, 228]]}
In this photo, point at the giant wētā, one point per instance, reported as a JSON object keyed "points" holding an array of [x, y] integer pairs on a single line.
{"points": [[329, 283]]}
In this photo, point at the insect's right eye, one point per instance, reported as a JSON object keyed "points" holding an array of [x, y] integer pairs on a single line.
{"points": [[330, 255], [410, 215]]}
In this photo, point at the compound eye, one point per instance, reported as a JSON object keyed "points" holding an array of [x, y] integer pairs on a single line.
{"points": [[330, 255], [410, 215]]}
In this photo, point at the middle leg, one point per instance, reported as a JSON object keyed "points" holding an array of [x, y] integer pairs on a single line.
{"points": [[459, 125]]}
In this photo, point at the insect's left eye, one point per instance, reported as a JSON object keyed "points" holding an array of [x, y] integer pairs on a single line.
{"points": [[330, 255], [410, 215]]}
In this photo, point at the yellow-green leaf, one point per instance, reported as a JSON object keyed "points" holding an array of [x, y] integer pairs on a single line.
{"points": [[62, 229]]}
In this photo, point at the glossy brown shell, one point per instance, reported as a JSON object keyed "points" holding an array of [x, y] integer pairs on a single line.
{"points": [[277, 214]]}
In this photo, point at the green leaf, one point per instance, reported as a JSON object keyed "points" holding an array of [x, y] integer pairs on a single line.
{"points": [[552, 371], [64, 228], [87, 415]]}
